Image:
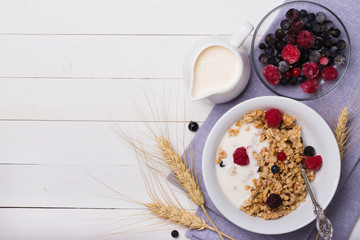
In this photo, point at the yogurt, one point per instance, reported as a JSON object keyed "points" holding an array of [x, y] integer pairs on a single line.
{"points": [[233, 178], [215, 68]]}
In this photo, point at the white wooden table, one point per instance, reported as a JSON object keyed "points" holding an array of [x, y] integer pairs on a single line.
{"points": [[68, 71]]}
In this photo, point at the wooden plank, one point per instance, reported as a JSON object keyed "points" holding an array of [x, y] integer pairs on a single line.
{"points": [[129, 16], [70, 186], [78, 143], [75, 224], [95, 56], [96, 99]]}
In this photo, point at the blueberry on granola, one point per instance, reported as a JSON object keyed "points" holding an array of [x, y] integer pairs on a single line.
{"points": [[309, 151], [275, 169], [274, 201]]}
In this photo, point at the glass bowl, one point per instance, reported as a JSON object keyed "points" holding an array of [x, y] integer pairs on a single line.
{"points": [[271, 22]]}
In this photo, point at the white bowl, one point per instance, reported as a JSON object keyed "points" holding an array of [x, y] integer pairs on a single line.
{"points": [[315, 132]]}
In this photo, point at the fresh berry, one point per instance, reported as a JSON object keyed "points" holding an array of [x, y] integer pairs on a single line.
{"points": [[305, 39], [283, 66], [318, 77], [193, 126], [320, 17], [329, 73], [331, 61], [273, 117], [240, 156], [324, 61], [270, 39], [274, 201], [314, 56], [325, 52], [274, 60], [222, 164], [313, 163], [275, 169], [310, 70], [303, 13], [174, 233], [340, 59], [316, 27], [290, 37], [272, 74], [328, 25], [341, 44], [288, 74], [335, 32], [300, 79], [281, 156], [297, 26], [284, 81], [329, 42], [290, 53], [292, 14], [285, 25], [334, 50], [296, 72], [319, 43], [279, 45], [309, 151], [279, 33], [262, 46], [308, 25], [269, 50], [263, 58], [311, 17], [309, 86]]}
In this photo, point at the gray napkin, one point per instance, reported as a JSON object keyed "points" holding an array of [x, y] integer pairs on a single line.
{"points": [[344, 209]]}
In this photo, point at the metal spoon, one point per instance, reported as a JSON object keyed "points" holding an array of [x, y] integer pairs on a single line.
{"points": [[323, 224]]}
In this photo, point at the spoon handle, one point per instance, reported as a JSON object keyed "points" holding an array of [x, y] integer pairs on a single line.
{"points": [[316, 206]]}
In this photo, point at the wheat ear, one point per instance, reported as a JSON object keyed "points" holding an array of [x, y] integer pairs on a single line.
{"points": [[184, 176]]}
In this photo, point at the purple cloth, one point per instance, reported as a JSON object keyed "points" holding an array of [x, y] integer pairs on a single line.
{"points": [[344, 210]]}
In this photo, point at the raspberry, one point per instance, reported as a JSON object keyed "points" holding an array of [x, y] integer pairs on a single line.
{"points": [[290, 37], [281, 156], [310, 70], [296, 72], [329, 73], [290, 53], [305, 39], [287, 74], [272, 74], [240, 156], [274, 201], [297, 26], [313, 163], [273, 117], [318, 77], [324, 61], [310, 86]]}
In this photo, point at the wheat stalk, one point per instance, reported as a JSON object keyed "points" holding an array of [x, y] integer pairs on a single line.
{"points": [[341, 131]]}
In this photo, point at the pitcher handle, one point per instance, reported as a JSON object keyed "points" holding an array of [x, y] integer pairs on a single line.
{"points": [[238, 39]]}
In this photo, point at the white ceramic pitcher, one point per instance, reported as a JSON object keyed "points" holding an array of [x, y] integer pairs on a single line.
{"points": [[232, 89]]}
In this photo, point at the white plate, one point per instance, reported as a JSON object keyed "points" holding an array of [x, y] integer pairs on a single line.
{"points": [[315, 132]]}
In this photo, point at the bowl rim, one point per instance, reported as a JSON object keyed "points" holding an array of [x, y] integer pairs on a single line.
{"points": [[313, 96], [218, 125]]}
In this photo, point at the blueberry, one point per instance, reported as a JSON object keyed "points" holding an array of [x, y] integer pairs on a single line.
{"points": [[329, 42], [300, 79], [222, 164], [325, 52], [319, 42], [262, 46], [263, 58], [283, 81], [269, 50], [303, 13], [341, 44], [320, 17], [279, 33], [314, 56], [193, 126], [285, 25], [274, 60], [278, 55], [270, 39], [340, 59], [335, 32], [308, 25], [331, 61], [275, 169], [283, 66], [279, 45], [316, 27], [292, 81], [292, 14], [334, 50], [311, 17], [328, 25], [309, 151], [174, 233], [325, 34]]}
